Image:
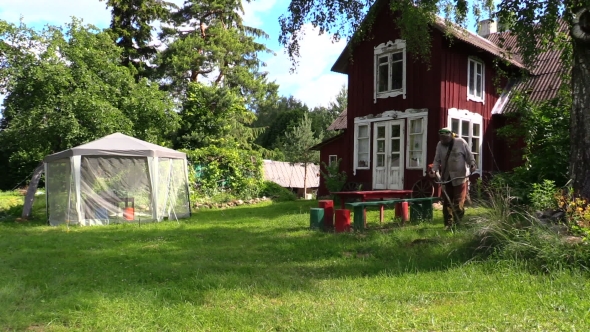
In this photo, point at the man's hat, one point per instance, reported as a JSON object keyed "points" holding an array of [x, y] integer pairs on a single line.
{"points": [[445, 130]]}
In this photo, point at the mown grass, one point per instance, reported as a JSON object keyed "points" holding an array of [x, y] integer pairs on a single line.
{"points": [[259, 268]]}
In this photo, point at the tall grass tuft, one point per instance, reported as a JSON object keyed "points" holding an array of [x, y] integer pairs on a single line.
{"points": [[506, 230]]}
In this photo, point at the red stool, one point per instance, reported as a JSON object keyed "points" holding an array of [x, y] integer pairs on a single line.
{"points": [[405, 212], [342, 220], [401, 211], [328, 206]]}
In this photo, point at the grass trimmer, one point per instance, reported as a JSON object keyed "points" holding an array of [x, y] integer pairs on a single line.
{"points": [[443, 189]]}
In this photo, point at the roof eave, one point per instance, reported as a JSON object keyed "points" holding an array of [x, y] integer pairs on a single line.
{"points": [[318, 146], [341, 64]]}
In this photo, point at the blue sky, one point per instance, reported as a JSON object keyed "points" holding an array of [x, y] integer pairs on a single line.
{"points": [[313, 83]]}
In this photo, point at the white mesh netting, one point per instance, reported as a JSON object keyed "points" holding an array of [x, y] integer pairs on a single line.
{"points": [[98, 190]]}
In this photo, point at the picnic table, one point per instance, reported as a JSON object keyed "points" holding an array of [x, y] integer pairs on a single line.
{"points": [[421, 209], [372, 195]]}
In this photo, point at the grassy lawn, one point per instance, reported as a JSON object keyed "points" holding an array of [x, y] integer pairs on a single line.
{"points": [[259, 268]]}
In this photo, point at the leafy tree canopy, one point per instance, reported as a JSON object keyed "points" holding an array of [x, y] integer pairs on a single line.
{"points": [[278, 119], [531, 20], [132, 27], [66, 86], [215, 116], [322, 117], [284, 115], [207, 42]]}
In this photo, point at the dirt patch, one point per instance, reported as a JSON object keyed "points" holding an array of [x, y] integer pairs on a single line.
{"points": [[350, 254], [573, 239], [417, 242]]}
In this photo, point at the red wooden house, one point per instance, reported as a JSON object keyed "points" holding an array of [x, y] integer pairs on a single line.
{"points": [[397, 104]]}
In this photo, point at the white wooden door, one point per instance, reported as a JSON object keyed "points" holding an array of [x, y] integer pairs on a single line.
{"points": [[395, 177], [380, 155], [388, 154]]}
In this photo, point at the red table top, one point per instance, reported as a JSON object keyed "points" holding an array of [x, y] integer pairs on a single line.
{"points": [[370, 194], [375, 193]]}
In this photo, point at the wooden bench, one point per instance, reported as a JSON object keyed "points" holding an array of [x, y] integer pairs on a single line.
{"points": [[359, 211], [421, 208]]}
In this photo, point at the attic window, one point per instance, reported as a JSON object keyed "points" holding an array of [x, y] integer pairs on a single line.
{"points": [[390, 69], [475, 80]]}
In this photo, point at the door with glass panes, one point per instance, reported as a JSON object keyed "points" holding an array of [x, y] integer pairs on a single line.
{"points": [[388, 154]]}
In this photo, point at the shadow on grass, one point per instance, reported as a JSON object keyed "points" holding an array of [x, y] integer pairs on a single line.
{"points": [[268, 250]]}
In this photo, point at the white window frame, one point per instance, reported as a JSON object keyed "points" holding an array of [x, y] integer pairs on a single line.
{"points": [[356, 146], [472, 118], [424, 133], [389, 48], [475, 97], [332, 159]]}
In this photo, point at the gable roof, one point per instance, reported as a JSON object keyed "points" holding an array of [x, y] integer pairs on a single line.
{"points": [[340, 122], [291, 176], [118, 145], [466, 36], [545, 76]]}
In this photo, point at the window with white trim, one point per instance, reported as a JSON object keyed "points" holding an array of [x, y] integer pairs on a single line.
{"points": [[468, 126], [475, 80], [332, 159], [362, 146], [390, 69], [416, 143]]}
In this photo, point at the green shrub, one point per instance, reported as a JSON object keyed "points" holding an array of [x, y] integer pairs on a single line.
{"points": [[544, 130], [519, 188], [228, 171], [333, 178], [542, 196], [276, 192]]}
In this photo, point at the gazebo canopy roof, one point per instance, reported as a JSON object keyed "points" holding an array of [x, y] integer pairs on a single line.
{"points": [[117, 145]]}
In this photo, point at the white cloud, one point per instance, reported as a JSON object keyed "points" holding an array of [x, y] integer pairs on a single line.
{"points": [[254, 12], [55, 12], [312, 83]]}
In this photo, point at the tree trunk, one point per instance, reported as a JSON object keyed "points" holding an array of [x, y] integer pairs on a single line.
{"points": [[30, 197], [580, 115]]}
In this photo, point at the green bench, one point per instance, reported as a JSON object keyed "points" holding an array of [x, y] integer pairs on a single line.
{"points": [[359, 211], [420, 209]]}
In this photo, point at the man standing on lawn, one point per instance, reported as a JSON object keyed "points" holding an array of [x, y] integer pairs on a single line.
{"points": [[452, 160]]}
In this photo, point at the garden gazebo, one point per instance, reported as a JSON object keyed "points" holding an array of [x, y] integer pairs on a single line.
{"points": [[116, 178]]}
